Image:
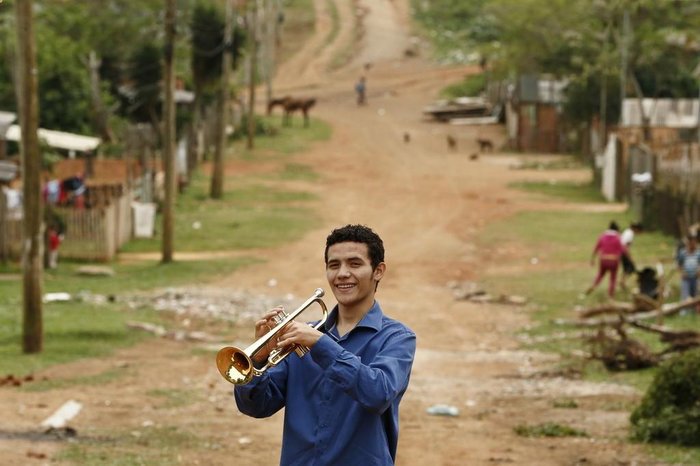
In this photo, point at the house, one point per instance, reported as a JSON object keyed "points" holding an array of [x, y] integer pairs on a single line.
{"points": [[654, 153]]}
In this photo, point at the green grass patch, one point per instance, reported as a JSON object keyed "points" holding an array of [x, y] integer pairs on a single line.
{"points": [[471, 86], [150, 447], [104, 377], [572, 192], [287, 140], [565, 404], [548, 429], [77, 329], [254, 211]]}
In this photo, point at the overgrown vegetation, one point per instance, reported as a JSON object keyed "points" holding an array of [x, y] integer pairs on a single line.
{"points": [[574, 40], [670, 409]]}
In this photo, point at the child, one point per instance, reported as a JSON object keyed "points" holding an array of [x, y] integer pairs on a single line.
{"points": [[688, 260], [54, 243]]}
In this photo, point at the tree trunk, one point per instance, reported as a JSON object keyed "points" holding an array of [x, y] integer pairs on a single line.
{"points": [[169, 133], [253, 34], [32, 338], [100, 117], [217, 175]]}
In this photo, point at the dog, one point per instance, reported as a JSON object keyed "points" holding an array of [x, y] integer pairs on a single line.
{"points": [[485, 145], [474, 156], [406, 137], [451, 142]]}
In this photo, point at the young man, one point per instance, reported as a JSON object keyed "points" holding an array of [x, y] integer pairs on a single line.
{"points": [[341, 399]]}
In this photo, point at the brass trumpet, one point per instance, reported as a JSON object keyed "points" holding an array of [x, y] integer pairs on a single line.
{"points": [[236, 365]]}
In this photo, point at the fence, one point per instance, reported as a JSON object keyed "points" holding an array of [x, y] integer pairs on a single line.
{"points": [[674, 200], [90, 234]]}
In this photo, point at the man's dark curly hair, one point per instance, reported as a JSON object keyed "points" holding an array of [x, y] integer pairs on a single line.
{"points": [[358, 234]]}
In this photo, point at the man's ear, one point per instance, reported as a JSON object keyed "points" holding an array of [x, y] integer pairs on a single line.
{"points": [[379, 271]]}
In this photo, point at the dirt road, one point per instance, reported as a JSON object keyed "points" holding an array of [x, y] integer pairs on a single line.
{"points": [[428, 203]]}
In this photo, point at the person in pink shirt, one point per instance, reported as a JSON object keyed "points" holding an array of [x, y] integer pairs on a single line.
{"points": [[609, 249]]}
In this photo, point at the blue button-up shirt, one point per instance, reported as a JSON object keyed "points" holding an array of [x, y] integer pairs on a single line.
{"points": [[342, 399]]}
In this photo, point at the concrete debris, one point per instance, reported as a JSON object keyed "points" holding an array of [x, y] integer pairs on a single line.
{"points": [[56, 297], [214, 303], [62, 415], [96, 271], [443, 410]]}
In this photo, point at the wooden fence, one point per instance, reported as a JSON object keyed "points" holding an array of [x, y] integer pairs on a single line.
{"points": [[90, 234], [674, 201]]}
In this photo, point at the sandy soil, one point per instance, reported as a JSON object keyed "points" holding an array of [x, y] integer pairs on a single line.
{"points": [[428, 203]]}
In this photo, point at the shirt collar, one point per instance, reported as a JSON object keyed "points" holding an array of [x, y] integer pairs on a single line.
{"points": [[373, 318]]}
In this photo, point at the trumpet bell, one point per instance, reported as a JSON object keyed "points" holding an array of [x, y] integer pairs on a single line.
{"points": [[234, 365]]}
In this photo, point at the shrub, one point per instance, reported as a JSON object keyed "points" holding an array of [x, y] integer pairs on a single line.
{"points": [[670, 409]]}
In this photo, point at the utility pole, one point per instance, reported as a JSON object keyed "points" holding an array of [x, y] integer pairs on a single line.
{"points": [[253, 50], [33, 243], [217, 175], [169, 132]]}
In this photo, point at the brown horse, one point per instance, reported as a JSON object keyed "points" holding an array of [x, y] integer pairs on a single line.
{"points": [[277, 103], [291, 105]]}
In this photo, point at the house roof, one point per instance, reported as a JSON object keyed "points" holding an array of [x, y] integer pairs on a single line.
{"points": [[58, 139], [6, 119], [670, 113]]}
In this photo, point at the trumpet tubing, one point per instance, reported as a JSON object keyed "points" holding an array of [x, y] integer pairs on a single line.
{"points": [[236, 365]]}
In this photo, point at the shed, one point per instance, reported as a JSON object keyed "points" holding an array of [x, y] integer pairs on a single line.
{"points": [[534, 113]]}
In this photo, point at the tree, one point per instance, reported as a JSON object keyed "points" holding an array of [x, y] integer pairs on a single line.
{"points": [[169, 131], [145, 73], [32, 338], [207, 36], [211, 67]]}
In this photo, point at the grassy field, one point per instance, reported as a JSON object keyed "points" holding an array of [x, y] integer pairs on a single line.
{"points": [[559, 271], [253, 213]]}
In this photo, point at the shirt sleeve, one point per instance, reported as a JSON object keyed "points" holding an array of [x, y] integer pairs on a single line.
{"points": [[377, 384], [264, 395]]}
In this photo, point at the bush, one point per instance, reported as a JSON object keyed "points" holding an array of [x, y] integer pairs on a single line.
{"points": [[670, 409]]}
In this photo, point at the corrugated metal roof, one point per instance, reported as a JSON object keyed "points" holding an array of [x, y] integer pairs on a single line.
{"points": [[670, 113], [58, 139]]}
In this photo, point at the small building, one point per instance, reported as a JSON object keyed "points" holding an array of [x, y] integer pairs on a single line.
{"points": [[533, 114]]}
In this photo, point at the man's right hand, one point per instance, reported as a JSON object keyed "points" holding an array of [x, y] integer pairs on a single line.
{"points": [[262, 326]]}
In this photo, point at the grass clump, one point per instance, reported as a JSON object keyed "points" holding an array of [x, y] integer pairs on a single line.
{"points": [[548, 429], [670, 409]]}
